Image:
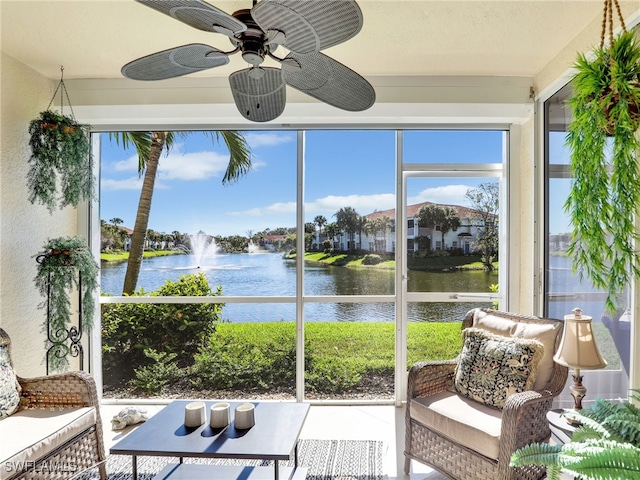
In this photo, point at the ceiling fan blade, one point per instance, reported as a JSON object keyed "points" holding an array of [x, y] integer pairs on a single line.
{"points": [[259, 97], [309, 25], [175, 62], [330, 81], [197, 14]]}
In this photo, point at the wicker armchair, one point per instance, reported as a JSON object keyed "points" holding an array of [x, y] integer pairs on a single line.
{"points": [[482, 448], [42, 398]]}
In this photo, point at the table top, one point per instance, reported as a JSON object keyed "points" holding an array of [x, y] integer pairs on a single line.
{"points": [[273, 437], [559, 425]]}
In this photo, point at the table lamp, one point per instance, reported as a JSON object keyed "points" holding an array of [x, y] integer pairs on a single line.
{"points": [[578, 350]]}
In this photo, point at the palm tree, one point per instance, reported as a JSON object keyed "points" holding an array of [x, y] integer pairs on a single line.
{"points": [[321, 221], [347, 219], [450, 221], [434, 216], [149, 146], [381, 225]]}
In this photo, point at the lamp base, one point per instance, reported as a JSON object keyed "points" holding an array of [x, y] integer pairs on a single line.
{"points": [[578, 391]]}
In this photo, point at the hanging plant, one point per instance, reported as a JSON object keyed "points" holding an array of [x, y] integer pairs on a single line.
{"points": [[60, 168], [605, 192], [65, 266]]}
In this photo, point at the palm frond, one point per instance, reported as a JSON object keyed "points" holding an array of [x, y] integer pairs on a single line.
{"points": [[141, 141], [240, 155]]}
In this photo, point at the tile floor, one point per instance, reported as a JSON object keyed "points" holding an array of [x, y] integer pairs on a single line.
{"points": [[365, 422], [327, 422]]}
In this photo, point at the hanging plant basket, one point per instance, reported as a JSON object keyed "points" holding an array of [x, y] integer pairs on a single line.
{"points": [[605, 192], [66, 267], [60, 170]]}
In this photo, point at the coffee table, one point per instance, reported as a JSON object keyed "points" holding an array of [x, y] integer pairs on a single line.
{"points": [[273, 437]]}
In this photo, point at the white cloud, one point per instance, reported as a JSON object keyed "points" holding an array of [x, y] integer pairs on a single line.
{"points": [[363, 204], [131, 183], [269, 139], [127, 165], [327, 206], [175, 166], [274, 209], [193, 166], [448, 195]]}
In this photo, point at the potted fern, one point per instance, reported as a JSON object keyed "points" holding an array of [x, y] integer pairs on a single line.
{"points": [[60, 163], [603, 146], [605, 446], [66, 267]]}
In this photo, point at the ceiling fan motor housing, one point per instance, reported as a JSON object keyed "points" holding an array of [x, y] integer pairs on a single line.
{"points": [[252, 41]]}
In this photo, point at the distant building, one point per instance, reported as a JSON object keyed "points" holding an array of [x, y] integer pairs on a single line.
{"points": [[418, 238]]}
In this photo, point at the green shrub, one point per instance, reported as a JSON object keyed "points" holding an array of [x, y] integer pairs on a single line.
{"points": [[162, 372], [371, 259], [247, 356], [129, 329], [326, 374]]}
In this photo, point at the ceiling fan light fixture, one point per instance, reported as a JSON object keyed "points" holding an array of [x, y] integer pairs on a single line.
{"points": [[256, 73], [259, 99]]}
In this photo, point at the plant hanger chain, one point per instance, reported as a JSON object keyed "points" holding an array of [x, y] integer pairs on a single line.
{"points": [[607, 20], [63, 90]]}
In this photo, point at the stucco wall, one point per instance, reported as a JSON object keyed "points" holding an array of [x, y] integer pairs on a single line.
{"points": [[23, 227]]}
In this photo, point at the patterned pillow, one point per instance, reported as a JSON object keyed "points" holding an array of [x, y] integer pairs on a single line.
{"points": [[9, 386], [492, 367]]}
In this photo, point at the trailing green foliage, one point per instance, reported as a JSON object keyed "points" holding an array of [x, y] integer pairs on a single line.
{"points": [[130, 329], [605, 193], [65, 265], [605, 446], [60, 159]]}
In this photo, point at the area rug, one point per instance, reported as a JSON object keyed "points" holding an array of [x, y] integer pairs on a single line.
{"points": [[324, 460]]}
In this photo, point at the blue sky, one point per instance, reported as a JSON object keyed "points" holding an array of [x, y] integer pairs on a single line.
{"points": [[343, 168]]}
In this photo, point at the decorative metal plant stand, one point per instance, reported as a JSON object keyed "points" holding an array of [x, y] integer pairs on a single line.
{"points": [[64, 341]]}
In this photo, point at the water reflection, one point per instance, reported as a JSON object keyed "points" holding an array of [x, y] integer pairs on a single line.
{"points": [[271, 275]]}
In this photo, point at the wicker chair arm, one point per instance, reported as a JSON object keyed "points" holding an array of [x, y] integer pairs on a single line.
{"points": [[524, 421], [70, 389], [427, 378]]}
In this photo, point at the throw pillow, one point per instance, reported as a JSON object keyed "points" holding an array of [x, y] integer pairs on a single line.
{"points": [[9, 386], [492, 367]]}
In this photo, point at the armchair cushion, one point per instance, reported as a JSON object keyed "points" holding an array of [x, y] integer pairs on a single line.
{"points": [[510, 326], [35, 433], [9, 386], [472, 424], [493, 367]]}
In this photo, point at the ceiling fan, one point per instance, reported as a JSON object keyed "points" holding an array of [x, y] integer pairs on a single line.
{"points": [[304, 27]]}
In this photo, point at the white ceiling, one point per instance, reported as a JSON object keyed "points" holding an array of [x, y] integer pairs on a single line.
{"points": [[430, 61], [94, 38]]}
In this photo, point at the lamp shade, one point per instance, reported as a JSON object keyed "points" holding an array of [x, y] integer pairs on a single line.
{"points": [[578, 347]]}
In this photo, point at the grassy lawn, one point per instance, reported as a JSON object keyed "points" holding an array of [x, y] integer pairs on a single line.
{"points": [[437, 263], [124, 256]]}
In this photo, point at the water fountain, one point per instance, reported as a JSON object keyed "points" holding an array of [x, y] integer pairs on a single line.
{"points": [[252, 247], [202, 246]]}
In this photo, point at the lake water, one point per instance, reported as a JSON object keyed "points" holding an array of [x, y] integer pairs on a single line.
{"points": [[268, 274]]}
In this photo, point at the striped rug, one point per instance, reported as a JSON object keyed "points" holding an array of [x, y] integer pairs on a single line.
{"points": [[323, 459]]}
